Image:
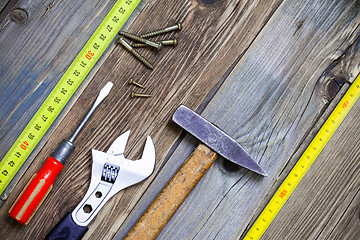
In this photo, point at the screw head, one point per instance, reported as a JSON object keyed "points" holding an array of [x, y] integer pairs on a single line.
{"points": [[179, 26], [19, 15], [175, 42]]}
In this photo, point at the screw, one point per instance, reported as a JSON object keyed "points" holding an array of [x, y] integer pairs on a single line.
{"points": [[158, 46], [134, 52], [136, 84], [175, 27], [139, 95], [19, 15], [170, 42]]}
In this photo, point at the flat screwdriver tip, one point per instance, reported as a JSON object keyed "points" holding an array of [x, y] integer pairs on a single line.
{"points": [[103, 93], [106, 89]]}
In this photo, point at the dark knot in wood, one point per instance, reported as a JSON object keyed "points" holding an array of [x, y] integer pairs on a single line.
{"points": [[332, 87], [209, 2]]}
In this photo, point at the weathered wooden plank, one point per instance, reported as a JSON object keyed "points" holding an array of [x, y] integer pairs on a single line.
{"points": [[339, 71], [214, 36], [347, 226], [326, 202], [3, 4], [34, 56], [269, 103]]}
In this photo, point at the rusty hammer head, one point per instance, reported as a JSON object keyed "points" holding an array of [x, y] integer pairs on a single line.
{"points": [[215, 138]]}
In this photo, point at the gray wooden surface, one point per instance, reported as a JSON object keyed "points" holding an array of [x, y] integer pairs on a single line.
{"points": [[267, 72], [269, 103], [325, 204], [34, 56]]}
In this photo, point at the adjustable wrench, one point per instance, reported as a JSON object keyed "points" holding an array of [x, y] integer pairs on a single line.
{"points": [[41, 183], [111, 172]]}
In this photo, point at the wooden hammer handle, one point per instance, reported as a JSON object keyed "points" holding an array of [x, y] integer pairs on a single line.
{"points": [[173, 195]]}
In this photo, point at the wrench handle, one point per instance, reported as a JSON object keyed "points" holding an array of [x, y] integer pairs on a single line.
{"points": [[35, 191], [67, 229], [173, 195]]}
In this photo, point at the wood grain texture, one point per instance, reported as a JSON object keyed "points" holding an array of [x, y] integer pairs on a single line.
{"points": [[34, 56], [261, 77], [188, 72], [173, 195], [269, 103], [338, 73], [325, 205]]}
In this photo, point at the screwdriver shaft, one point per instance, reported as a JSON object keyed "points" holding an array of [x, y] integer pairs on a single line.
{"points": [[42, 182], [82, 124], [103, 93]]}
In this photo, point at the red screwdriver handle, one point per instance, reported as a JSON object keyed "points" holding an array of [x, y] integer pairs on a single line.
{"points": [[35, 191]]}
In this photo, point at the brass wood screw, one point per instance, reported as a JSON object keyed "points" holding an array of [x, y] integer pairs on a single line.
{"points": [[139, 95], [134, 52], [175, 27], [170, 42], [156, 45], [132, 82]]}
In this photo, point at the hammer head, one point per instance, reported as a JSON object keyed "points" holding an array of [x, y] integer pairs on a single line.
{"points": [[215, 138]]}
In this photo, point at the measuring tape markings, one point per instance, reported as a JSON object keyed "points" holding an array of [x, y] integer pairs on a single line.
{"points": [[63, 91], [305, 161]]}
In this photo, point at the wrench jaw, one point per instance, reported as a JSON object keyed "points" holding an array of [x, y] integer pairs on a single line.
{"points": [[144, 167], [118, 146], [110, 174]]}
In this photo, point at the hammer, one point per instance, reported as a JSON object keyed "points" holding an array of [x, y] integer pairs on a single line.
{"points": [[214, 142]]}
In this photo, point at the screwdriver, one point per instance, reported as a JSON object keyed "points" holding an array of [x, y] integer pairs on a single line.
{"points": [[40, 184]]}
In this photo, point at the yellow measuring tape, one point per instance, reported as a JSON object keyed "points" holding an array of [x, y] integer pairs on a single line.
{"points": [[305, 162], [64, 89]]}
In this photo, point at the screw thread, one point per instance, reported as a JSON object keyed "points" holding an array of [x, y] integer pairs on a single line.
{"points": [[175, 27], [138, 45], [134, 52], [140, 95], [154, 33], [156, 45]]}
